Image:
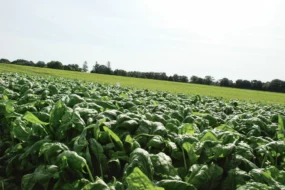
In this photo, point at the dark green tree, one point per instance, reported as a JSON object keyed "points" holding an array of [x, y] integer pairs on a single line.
{"points": [[55, 65], [40, 64], [226, 82], [3, 60], [208, 80], [256, 85], [85, 66], [276, 85]]}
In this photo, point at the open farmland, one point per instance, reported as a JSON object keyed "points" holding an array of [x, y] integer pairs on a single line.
{"points": [[61, 133], [173, 87]]}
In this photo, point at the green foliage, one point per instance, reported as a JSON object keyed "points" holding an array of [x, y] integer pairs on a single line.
{"points": [[69, 134], [137, 180], [55, 65], [172, 87]]}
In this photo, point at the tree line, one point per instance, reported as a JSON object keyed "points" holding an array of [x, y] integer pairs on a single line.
{"points": [[275, 85], [51, 64]]}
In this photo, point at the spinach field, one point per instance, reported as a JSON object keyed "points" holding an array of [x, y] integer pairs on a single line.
{"points": [[165, 86], [58, 133]]}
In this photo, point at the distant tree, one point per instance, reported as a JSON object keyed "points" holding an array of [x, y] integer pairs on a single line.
{"points": [[95, 68], [3, 60], [85, 66], [256, 85], [109, 65], [103, 69], [55, 65], [276, 85], [40, 64], [109, 71], [245, 84], [23, 62], [162, 76], [120, 72], [239, 83], [226, 82], [183, 78], [72, 67], [175, 78], [196, 80], [200, 81], [265, 86], [67, 67], [180, 78], [208, 80]]}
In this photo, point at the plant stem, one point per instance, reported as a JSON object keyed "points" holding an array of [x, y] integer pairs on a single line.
{"points": [[265, 156], [183, 153], [89, 172]]}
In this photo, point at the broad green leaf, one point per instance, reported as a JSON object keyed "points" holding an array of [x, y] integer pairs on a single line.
{"points": [[225, 127], [141, 159], [20, 130], [163, 166], [255, 186], [105, 104], [99, 184], [168, 184], [172, 128], [33, 119], [244, 163], [212, 120], [34, 149], [128, 144], [234, 179], [199, 114], [175, 151], [41, 176], [10, 107], [115, 139], [156, 142], [56, 114], [124, 95], [96, 129], [266, 176], [187, 129], [129, 125], [52, 89], [70, 121], [189, 148], [223, 151], [51, 150], [204, 176], [5, 97], [73, 160], [97, 149], [137, 180], [210, 136], [73, 99]]}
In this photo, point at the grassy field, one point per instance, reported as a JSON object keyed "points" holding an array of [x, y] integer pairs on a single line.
{"points": [[173, 87]]}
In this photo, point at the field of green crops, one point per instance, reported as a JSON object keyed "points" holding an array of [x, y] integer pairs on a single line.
{"points": [[58, 133], [166, 86]]}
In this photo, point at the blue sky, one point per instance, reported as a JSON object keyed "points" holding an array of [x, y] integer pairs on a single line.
{"points": [[222, 38]]}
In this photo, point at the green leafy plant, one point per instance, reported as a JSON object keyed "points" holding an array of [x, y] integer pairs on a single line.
{"points": [[57, 133]]}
